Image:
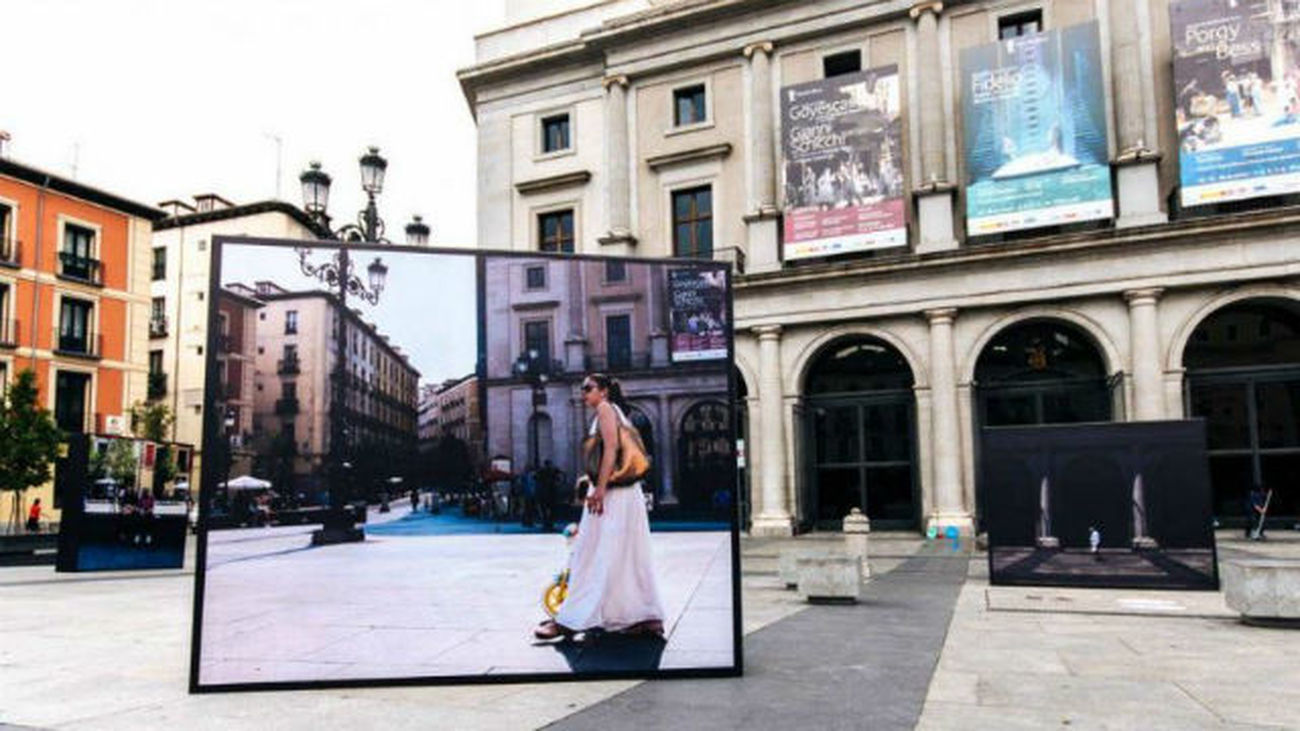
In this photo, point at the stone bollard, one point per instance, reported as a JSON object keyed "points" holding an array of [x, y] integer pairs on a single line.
{"points": [[857, 528], [830, 578], [788, 564]]}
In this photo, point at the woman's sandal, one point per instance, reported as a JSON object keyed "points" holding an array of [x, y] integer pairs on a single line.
{"points": [[550, 629]]}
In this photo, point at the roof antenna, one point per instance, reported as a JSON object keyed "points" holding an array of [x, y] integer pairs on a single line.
{"points": [[4, 141]]}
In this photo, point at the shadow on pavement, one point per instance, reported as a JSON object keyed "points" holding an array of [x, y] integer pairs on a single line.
{"points": [[607, 651]]}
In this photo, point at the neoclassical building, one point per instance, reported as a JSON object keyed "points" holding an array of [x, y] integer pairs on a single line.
{"points": [[654, 129]]}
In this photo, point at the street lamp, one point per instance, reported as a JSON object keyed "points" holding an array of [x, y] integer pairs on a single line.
{"points": [[537, 373], [339, 276], [417, 232]]}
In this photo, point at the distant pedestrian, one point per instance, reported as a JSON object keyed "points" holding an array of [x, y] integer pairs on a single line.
{"points": [[1256, 512], [415, 501], [1094, 541], [34, 516]]}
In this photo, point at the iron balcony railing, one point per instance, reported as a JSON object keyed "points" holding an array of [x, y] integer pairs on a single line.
{"points": [[286, 406], [288, 366], [157, 385], [80, 345], [158, 326], [81, 268]]}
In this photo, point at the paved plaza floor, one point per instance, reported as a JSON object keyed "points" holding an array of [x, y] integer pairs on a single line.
{"points": [[932, 646]]}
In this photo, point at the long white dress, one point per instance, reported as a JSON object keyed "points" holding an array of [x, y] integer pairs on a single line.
{"points": [[612, 581]]}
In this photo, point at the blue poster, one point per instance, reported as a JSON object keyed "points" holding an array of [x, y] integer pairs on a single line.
{"points": [[1237, 82], [1035, 132]]}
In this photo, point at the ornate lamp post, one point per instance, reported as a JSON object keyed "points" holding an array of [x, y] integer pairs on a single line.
{"points": [[536, 372], [342, 279]]}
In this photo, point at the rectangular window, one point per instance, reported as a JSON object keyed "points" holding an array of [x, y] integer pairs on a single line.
{"points": [[78, 241], [291, 322], [70, 401], [8, 247], [1020, 24], [4, 378], [158, 308], [615, 271], [77, 259], [75, 325], [155, 361], [839, 64], [555, 133], [556, 231], [535, 277], [537, 339], [618, 341], [159, 263], [689, 105], [693, 223], [8, 325], [289, 389]]}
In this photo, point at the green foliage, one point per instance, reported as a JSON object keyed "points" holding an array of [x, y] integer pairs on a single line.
{"points": [[120, 462], [29, 438], [151, 420], [164, 466]]}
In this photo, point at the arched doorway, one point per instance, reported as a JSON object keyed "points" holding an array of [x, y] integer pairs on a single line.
{"points": [[1043, 372], [858, 431], [704, 450], [1243, 378]]}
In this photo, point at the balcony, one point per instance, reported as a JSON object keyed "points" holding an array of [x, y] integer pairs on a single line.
{"points": [[286, 406], [81, 269], [10, 253], [158, 326], [288, 366], [225, 344], [157, 385], [617, 362], [83, 345], [9, 333]]}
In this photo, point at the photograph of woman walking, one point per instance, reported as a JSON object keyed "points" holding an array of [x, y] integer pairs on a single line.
{"points": [[612, 585]]}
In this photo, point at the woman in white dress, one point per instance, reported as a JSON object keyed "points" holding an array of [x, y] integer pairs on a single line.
{"points": [[612, 583]]}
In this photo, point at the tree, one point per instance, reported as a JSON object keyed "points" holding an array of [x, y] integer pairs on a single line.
{"points": [[120, 462], [151, 421], [29, 443]]}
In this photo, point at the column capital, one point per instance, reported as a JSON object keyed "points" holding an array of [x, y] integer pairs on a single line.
{"points": [[941, 316], [765, 46], [1144, 296], [933, 6], [767, 332], [617, 79]]}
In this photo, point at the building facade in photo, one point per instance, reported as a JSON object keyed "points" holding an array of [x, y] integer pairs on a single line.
{"points": [[296, 350], [237, 377], [943, 216], [74, 300], [548, 323], [180, 269]]}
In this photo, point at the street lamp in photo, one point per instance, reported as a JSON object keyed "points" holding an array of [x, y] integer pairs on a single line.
{"points": [[341, 277], [536, 371]]}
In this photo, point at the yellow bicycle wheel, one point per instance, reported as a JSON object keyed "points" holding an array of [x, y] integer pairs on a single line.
{"points": [[554, 595]]}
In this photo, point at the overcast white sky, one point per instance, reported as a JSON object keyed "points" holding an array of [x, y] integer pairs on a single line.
{"points": [[429, 305], [158, 99]]}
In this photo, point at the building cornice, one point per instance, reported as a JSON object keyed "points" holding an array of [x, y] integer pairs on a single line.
{"points": [[248, 209], [551, 182], [74, 189], [692, 155]]}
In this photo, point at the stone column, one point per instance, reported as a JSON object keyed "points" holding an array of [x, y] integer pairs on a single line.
{"points": [[1136, 174], [763, 216], [618, 199], [934, 193], [771, 516], [1144, 348], [945, 445]]}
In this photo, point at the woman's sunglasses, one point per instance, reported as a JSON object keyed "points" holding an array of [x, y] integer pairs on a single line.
{"points": [[588, 387]]}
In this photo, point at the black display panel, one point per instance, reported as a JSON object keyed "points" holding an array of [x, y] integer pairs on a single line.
{"points": [[1101, 505]]}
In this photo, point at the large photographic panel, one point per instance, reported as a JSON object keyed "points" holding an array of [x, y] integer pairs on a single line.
{"points": [[392, 489], [1102, 505], [1237, 86], [1034, 131], [842, 140]]}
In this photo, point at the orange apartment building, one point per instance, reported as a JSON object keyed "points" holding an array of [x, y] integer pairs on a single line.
{"points": [[74, 299]]}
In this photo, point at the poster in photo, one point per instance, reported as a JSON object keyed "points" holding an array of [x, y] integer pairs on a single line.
{"points": [[842, 140], [1237, 86], [698, 302], [354, 539], [1034, 118]]}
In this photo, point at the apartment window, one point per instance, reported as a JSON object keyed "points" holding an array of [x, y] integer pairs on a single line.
{"points": [[615, 271], [70, 400], [291, 322], [1020, 24], [157, 308], [291, 352], [618, 341], [537, 337], [77, 259], [289, 389], [839, 64], [555, 133], [75, 325], [689, 105], [693, 223], [535, 277], [8, 325], [155, 361], [8, 248], [4, 377], [556, 231], [159, 263]]}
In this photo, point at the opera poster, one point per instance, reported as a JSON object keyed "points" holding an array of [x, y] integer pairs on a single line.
{"points": [[1124, 505], [842, 141], [698, 314], [1034, 132], [1237, 86], [394, 498]]}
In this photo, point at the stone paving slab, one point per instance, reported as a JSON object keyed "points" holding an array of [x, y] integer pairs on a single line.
{"points": [[1205, 604]]}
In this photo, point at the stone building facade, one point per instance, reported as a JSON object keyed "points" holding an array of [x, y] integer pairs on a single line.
{"points": [[867, 378]]}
